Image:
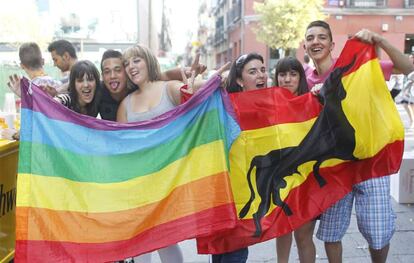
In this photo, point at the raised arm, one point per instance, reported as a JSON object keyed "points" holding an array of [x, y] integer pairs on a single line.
{"points": [[14, 84], [400, 61], [172, 74], [192, 84], [175, 74]]}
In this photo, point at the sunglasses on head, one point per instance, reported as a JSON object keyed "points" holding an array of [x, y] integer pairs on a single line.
{"points": [[241, 59]]}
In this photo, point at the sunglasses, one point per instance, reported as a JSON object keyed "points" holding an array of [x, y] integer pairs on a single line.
{"points": [[241, 59]]}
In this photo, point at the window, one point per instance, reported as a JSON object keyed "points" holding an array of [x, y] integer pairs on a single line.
{"points": [[409, 3], [333, 2], [409, 44], [337, 3], [367, 3]]}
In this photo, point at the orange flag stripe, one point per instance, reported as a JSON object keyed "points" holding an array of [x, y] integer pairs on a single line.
{"points": [[113, 226]]}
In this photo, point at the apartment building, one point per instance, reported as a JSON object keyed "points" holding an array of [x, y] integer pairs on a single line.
{"points": [[234, 21]]}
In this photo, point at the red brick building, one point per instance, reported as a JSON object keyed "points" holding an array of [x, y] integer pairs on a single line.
{"points": [[394, 19], [234, 33], [235, 19]]}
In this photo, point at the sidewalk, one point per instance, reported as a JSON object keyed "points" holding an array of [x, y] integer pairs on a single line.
{"points": [[355, 248]]}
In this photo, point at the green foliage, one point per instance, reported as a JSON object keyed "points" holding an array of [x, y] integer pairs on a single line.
{"points": [[283, 22]]}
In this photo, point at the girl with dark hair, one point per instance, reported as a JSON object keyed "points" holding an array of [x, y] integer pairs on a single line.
{"points": [[291, 75], [248, 72], [84, 89]]}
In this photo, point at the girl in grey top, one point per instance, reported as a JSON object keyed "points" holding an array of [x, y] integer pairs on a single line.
{"points": [[153, 98], [165, 104]]}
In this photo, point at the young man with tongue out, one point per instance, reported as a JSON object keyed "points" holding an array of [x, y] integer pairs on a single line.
{"points": [[375, 217], [115, 84]]}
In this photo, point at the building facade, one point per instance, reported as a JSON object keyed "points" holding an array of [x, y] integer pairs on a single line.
{"points": [[234, 33], [393, 19], [235, 21]]}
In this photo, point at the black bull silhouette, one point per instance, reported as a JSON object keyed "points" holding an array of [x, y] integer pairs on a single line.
{"points": [[331, 136]]}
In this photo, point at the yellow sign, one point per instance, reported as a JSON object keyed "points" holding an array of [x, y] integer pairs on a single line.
{"points": [[196, 43], [8, 171]]}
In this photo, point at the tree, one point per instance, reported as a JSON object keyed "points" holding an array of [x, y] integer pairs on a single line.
{"points": [[283, 23], [20, 22]]}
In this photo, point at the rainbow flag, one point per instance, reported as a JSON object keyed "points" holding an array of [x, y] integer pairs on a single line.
{"points": [[294, 158], [90, 190]]}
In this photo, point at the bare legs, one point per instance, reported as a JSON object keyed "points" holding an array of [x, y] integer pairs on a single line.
{"points": [[379, 255], [283, 245], [304, 242], [334, 253]]}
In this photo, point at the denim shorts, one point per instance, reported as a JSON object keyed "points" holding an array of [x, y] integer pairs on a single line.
{"points": [[374, 214], [238, 256]]}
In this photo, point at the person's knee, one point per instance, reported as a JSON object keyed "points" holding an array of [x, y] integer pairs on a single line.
{"points": [[379, 255], [334, 251], [304, 238], [379, 249], [334, 244], [378, 241], [301, 238]]}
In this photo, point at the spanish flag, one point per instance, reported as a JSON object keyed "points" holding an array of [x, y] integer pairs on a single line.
{"points": [[296, 156], [91, 190]]}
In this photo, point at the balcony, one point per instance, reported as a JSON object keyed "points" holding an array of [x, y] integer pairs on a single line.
{"points": [[367, 7], [234, 14], [219, 36], [367, 3]]}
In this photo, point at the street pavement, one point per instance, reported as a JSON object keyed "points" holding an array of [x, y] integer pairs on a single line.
{"points": [[355, 248]]}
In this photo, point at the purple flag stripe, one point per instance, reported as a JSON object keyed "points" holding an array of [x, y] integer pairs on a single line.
{"points": [[44, 103]]}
